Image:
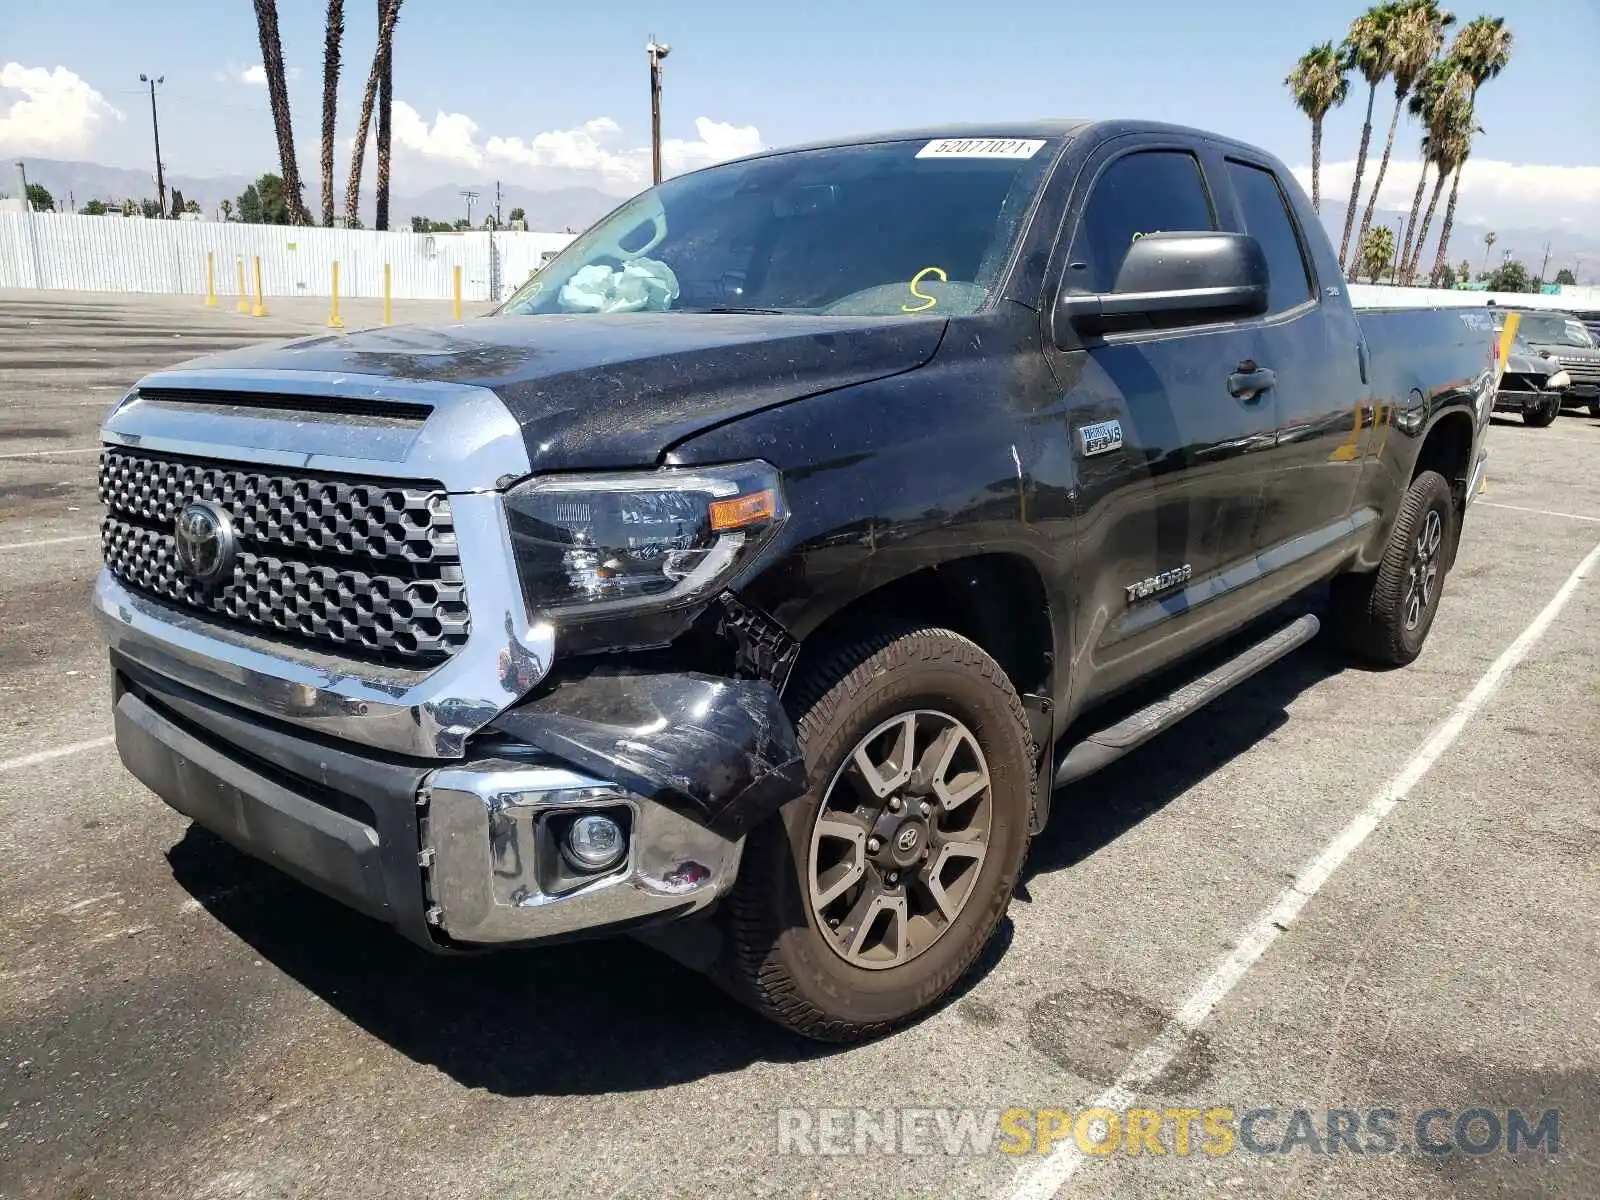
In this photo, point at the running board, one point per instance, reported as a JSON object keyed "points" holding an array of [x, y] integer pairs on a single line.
{"points": [[1103, 748]]}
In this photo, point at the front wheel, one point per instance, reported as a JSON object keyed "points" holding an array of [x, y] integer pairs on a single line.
{"points": [[1384, 616], [867, 898], [1542, 414]]}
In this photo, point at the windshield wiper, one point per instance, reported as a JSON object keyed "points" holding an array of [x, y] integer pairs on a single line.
{"points": [[734, 308]]}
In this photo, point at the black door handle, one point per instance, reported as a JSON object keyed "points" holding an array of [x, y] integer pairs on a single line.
{"points": [[1249, 381]]}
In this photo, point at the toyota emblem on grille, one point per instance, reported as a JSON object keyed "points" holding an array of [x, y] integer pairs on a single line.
{"points": [[206, 542]]}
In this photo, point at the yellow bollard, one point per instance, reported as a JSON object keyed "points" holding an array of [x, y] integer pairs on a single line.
{"points": [[211, 281], [455, 291], [260, 309], [388, 307], [244, 290], [335, 321]]}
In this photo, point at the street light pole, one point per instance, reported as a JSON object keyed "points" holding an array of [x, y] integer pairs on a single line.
{"points": [[657, 51], [155, 126]]}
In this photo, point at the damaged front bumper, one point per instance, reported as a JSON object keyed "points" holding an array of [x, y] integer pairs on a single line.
{"points": [[468, 853]]}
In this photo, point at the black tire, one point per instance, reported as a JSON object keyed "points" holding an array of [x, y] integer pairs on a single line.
{"points": [[1541, 415], [775, 956], [1372, 612], [1594, 408]]}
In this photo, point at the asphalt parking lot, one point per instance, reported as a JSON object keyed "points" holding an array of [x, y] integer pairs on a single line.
{"points": [[179, 1021]]}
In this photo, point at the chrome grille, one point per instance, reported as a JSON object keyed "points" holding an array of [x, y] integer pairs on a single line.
{"points": [[1582, 370], [369, 566]]}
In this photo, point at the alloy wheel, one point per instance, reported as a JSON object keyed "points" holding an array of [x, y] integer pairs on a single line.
{"points": [[900, 839], [1422, 577]]}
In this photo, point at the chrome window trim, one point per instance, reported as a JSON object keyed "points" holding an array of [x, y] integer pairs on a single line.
{"points": [[470, 443]]}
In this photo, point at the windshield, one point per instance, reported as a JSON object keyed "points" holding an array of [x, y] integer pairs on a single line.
{"points": [[1555, 331], [886, 229]]}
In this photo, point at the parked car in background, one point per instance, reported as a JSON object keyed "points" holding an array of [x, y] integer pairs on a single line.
{"points": [[1532, 383], [1565, 340]]}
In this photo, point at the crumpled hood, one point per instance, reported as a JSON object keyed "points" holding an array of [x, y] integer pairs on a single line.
{"points": [[617, 391]]}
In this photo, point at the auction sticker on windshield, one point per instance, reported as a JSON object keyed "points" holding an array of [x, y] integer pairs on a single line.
{"points": [[981, 148]]}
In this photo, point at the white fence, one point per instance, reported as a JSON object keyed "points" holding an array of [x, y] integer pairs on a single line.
{"points": [[117, 254], [1570, 299]]}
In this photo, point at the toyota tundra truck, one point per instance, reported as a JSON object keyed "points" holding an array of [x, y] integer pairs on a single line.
{"points": [[752, 578]]}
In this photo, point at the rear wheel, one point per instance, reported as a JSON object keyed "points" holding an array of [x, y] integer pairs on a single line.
{"points": [[1384, 616], [1594, 408], [866, 899], [1543, 413]]}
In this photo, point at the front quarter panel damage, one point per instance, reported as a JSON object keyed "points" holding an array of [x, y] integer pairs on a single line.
{"points": [[721, 750]]}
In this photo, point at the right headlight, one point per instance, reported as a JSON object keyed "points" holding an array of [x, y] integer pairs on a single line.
{"points": [[598, 544]]}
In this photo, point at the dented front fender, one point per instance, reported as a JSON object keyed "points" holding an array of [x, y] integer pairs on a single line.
{"points": [[721, 750]]}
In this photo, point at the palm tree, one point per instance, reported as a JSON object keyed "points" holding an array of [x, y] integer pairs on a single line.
{"points": [[388, 13], [1377, 251], [278, 95], [1319, 82], [1482, 48], [1489, 239], [385, 103], [330, 101], [1417, 35], [226, 208], [1446, 146], [1431, 92], [1366, 48]]}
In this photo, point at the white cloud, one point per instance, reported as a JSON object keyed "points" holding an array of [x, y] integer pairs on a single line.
{"points": [[253, 75], [450, 138], [58, 112], [591, 149], [1492, 192]]}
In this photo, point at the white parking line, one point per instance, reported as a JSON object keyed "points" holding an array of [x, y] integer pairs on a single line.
{"points": [[39, 453], [44, 756], [1045, 1179], [60, 541], [1543, 512]]}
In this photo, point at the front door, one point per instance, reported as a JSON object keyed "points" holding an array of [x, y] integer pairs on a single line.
{"points": [[1165, 435]]}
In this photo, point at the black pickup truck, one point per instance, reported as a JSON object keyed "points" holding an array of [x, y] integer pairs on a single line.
{"points": [[750, 581]]}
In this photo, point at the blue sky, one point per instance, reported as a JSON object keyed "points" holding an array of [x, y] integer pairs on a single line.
{"points": [[563, 99]]}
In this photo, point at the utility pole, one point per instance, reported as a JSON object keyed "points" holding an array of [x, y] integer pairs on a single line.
{"points": [[1544, 266], [657, 51], [469, 195], [155, 126], [497, 204]]}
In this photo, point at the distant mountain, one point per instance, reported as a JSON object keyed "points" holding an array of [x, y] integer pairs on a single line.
{"points": [[79, 182], [552, 211], [1575, 251]]}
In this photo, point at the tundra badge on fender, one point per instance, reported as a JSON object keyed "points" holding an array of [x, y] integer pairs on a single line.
{"points": [[1100, 438], [1158, 583]]}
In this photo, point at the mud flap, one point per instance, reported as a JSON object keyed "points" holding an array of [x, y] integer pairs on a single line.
{"points": [[721, 750]]}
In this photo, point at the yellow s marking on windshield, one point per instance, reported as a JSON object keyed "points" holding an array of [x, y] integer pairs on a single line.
{"points": [[930, 301]]}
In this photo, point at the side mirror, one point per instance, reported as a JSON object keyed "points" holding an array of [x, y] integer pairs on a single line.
{"points": [[1172, 279]]}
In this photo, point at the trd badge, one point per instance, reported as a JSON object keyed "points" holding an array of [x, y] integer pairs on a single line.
{"points": [[1100, 438]]}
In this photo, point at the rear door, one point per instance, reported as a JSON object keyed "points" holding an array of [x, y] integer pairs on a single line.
{"points": [[1168, 488], [1313, 352]]}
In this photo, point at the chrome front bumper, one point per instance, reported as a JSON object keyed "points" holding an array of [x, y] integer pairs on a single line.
{"points": [[460, 855], [490, 853]]}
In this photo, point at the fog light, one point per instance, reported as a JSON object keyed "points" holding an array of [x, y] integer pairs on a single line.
{"points": [[593, 843]]}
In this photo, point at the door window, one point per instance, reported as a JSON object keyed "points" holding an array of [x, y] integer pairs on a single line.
{"points": [[1150, 191], [1266, 218]]}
